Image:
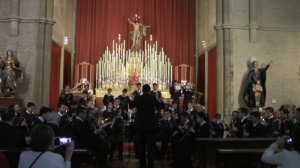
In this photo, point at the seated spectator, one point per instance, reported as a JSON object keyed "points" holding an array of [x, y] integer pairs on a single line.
{"points": [[277, 155], [10, 136], [41, 155]]}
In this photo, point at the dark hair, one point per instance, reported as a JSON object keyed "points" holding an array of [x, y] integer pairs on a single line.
{"points": [[44, 110], [218, 116], [124, 90], [270, 109], [256, 114], [235, 111], [7, 114], [109, 89], [138, 84], [146, 88], [201, 115], [298, 109], [30, 104], [167, 110], [42, 137], [154, 84], [284, 110], [243, 110], [85, 92], [296, 139]]}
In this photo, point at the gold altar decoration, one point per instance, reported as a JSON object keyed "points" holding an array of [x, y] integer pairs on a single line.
{"points": [[122, 68]]}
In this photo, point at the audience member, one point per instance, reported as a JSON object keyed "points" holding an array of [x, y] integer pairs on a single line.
{"points": [[10, 136], [41, 155], [276, 154]]}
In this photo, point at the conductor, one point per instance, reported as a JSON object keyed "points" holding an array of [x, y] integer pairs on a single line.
{"points": [[146, 125]]}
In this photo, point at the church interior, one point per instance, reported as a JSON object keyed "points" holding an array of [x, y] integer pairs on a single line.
{"points": [[227, 64]]}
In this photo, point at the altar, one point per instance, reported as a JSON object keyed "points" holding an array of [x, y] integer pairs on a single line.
{"points": [[121, 68]]}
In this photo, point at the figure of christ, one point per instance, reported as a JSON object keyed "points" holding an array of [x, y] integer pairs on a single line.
{"points": [[139, 30]]}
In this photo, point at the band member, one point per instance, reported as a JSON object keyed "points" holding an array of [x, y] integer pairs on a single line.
{"points": [[233, 125], [188, 93], [84, 100], [166, 130], [124, 100], [285, 125], [117, 136], [138, 91], [108, 97], [218, 127], [175, 91], [244, 124], [108, 114], [257, 129], [156, 93], [66, 97], [271, 122]]}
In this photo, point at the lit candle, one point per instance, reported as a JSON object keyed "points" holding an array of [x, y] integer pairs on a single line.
{"points": [[150, 37]]}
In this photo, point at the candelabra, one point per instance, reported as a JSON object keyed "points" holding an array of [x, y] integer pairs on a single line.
{"points": [[121, 67]]}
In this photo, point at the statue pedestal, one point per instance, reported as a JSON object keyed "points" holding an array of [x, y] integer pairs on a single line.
{"points": [[7, 101]]}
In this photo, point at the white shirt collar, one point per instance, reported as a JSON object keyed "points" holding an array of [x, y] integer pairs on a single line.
{"points": [[78, 118], [202, 123]]}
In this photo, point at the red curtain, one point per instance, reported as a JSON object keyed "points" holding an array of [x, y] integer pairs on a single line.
{"points": [[67, 69], [55, 75], [100, 21], [212, 82]]}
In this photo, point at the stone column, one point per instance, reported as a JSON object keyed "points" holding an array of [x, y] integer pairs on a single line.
{"points": [[74, 42], [14, 19], [227, 62], [220, 59], [253, 26], [43, 60], [47, 52]]}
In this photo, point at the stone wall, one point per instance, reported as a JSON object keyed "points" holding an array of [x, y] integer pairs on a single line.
{"points": [[277, 39], [25, 28]]}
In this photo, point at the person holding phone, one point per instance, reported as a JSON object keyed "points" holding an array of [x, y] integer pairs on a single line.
{"points": [[276, 154], [41, 155]]}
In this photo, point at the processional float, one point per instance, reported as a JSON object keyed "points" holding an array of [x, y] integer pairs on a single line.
{"points": [[123, 68]]}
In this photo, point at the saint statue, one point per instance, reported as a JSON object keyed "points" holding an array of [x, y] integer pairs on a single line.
{"points": [[10, 72], [255, 91], [139, 30]]}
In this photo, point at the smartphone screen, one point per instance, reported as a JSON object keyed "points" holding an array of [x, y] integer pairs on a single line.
{"points": [[64, 141]]}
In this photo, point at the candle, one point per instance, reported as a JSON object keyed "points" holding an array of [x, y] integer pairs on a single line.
{"points": [[150, 37]]}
